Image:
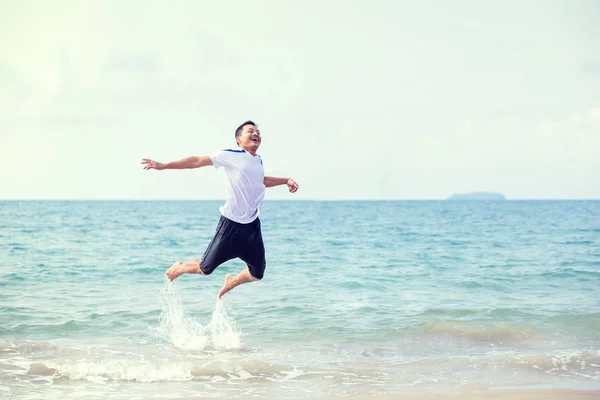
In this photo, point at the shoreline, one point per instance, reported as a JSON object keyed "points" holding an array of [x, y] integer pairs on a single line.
{"points": [[455, 394], [491, 394]]}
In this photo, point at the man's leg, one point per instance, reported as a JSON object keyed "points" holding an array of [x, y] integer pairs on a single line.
{"points": [[233, 281], [253, 254], [218, 251], [179, 268]]}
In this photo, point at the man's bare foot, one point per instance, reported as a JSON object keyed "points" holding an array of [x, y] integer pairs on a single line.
{"points": [[227, 286], [175, 270]]}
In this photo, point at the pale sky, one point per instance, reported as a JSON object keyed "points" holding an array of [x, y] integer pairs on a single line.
{"points": [[366, 99]]}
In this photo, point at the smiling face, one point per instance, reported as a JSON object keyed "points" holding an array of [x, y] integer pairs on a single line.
{"points": [[249, 138]]}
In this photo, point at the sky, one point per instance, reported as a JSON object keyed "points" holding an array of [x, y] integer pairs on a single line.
{"points": [[368, 99]]}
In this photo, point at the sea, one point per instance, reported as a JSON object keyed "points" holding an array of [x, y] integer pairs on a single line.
{"points": [[359, 298]]}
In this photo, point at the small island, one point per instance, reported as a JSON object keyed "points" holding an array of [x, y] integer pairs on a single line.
{"points": [[477, 196]]}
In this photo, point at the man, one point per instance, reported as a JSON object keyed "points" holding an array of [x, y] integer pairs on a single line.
{"points": [[238, 232]]}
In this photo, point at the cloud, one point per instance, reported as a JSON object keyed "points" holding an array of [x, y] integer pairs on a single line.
{"points": [[133, 63], [591, 67]]}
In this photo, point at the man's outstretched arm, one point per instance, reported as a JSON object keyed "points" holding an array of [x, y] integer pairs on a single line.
{"points": [[184, 163], [271, 181]]}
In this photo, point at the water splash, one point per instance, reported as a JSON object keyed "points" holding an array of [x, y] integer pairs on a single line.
{"points": [[187, 333], [224, 334]]}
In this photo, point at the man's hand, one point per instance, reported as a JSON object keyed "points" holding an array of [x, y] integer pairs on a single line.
{"points": [[151, 164], [292, 185], [271, 181]]}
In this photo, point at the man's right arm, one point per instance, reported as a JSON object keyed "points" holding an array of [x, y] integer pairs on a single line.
{"points": [[184, 163]]}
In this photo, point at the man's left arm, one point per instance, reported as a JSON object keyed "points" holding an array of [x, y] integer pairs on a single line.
{"points": [[271, 181]]}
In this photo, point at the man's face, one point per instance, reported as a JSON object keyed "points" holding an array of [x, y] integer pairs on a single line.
{"points": [[250, 138]]}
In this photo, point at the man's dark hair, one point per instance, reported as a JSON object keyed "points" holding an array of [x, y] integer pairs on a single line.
{"points": [[238, 131]]}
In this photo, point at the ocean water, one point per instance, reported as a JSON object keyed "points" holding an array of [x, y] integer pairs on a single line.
{"points": [[359, 298]]}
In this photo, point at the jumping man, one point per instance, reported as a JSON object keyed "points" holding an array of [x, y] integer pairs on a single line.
{"points": [[238, 232]]}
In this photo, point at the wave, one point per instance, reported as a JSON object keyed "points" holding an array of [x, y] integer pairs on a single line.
{"points": [[55, 325], [589, 321], [477, 313], [479, 332], [120, 370], [563, 360], [12, 348], [470, 285], [63, 328], [100, 369], [158, 369], [12, 277], [98, 363], [455, 321], [563, 363], [570, 273]]}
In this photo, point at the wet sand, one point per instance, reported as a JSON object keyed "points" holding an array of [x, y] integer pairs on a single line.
{"points": [[486, 395], [462, 395]]}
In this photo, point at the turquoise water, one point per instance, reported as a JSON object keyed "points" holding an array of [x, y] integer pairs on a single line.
{"points": [[359, 298]]}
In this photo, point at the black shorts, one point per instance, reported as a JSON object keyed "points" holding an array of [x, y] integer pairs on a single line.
{"points": [[235, 240]]}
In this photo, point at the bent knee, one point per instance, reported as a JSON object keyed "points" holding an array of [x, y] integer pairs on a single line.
{"points": [[256, 277], [205, 269]]}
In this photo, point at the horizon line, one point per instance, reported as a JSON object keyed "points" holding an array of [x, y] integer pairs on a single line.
{"points": [[348, 199]]}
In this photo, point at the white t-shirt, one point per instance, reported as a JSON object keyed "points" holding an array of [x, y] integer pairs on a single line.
{"points": [[245, 184]]}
